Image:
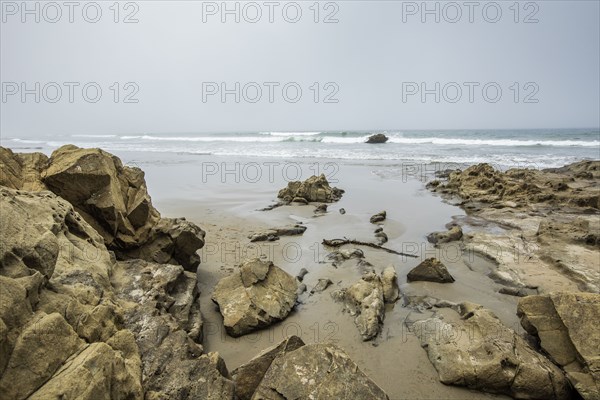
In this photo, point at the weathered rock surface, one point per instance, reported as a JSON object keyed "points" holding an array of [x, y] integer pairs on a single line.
{"points": [[389, 280], [21, 171], [380, 216], [566, 326], [365, 301], [248, 376], [316, 371], [431, 270], [377, 138], [275, 233], [454, 233], [256, 295], [477, 351], [315, 188]]}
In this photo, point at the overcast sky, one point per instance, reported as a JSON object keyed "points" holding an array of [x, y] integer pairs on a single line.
{"points": [[374, 61]]}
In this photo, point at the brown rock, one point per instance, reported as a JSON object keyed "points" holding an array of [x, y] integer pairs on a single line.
{"points": [[431, 270]]}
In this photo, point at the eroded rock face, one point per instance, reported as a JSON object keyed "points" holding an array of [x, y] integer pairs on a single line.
{"points": [[365, 301], [21, 171], [431, 270], [256, 295], [478, 351], [315, 188], [566, 326], [316, 371]]}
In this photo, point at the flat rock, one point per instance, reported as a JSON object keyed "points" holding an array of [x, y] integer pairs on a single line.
{"points": [[316, 371], [256, 295], [477, 351], [431, 270]]}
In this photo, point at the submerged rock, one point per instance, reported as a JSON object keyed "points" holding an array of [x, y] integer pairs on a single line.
{"points": [[316, 371], [431, 270], [377, 138], [566, 327], [275, 233], [479, 352], [314, 189], [256, 295]]}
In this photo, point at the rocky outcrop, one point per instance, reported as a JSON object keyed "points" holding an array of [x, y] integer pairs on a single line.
{"points": [[431, 270], [256, 295], [314, 371], [389, 281], [477, 351], [275, 233], [111, 197], [452, 234], [248, 376], [365, 301], [315, 188], [377, 138], [565, 325]]}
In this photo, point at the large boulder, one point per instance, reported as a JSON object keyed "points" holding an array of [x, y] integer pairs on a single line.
{"points": [[478, 351], [316, 371], [566, 327], [365, 301], [377, 138], [431, 270], [315, 188], [256, 295]]}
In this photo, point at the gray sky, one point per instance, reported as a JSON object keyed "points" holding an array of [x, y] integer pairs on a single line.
{"points": [[376, 57]]}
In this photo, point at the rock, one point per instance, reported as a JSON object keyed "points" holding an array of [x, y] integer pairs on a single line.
{"points": [[513, 291], [565, 324], [339, 256], [301, 274], [389, 280], [321, 286], [377, 138], [316, 371], [22, 171], [39, 351], [301, 289], [321, 209], [477, 351], [382, 237], [275, 233], [114, 199], [314, 189], [255, 296], [378, 217], [300, 200], [365, 300], [431, 270], [454, 233], [248, 376], [342, 211]]}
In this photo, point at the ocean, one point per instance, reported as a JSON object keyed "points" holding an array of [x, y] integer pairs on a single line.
{"points": [[539, 148]]}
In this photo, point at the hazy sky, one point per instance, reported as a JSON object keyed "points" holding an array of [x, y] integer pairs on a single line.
{"points": [[376, 60]]}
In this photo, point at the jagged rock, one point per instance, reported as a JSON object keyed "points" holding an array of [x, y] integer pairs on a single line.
{"points": [[114, 199], [248, 376], [454, 233], [380, 216], [21, 171], [321, 286], [256, 295], [377, 138], [389, 280], [477, 351], [316, 371], [314, 189], [365, 300], [431, 270], [565, 325], [275, 233]]}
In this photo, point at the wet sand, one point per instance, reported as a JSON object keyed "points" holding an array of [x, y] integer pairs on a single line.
{"points": [[226, 208]]}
